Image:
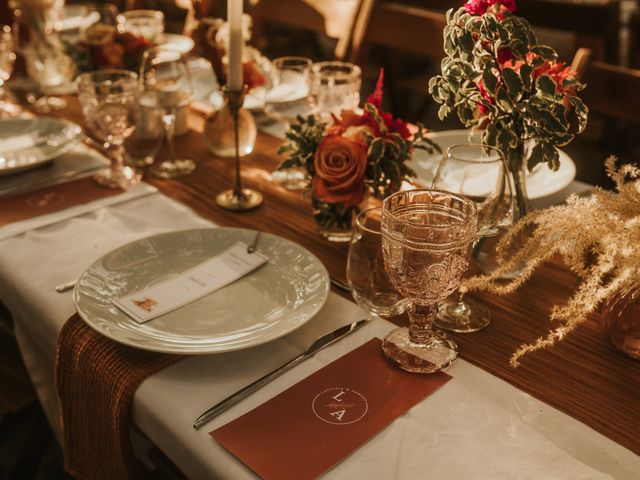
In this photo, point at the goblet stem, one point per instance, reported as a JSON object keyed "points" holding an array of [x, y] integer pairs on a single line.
{"points": [[421, 319], [169, 121]]}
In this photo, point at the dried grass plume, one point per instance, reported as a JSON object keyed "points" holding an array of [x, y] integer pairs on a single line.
{"points": [[598, 238]]}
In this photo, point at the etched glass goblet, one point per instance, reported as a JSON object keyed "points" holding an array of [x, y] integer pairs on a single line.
{"points": [[426, 242], [479, 172], [109, 100]]}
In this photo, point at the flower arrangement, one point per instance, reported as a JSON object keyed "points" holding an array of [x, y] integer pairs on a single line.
{"points": [[355, 154], [103, 46], [497, 78], [602, 249], [212, 37]]}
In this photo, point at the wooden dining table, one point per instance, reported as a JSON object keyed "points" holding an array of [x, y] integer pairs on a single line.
{"points": [[583, 376]]}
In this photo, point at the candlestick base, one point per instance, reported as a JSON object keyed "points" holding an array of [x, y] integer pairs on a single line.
{"points": [[246, 199]]}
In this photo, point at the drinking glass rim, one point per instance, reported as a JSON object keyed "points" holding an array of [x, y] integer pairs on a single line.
{"points": [[141, 11], [463, 198], [108, 71], [297, 58], [478, 162], [356, 71], [362, 214]]}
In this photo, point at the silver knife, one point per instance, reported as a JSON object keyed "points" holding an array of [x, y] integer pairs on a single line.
{"points": [[317, 345]]}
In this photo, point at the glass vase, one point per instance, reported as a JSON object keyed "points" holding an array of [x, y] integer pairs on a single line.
{"points": [[484, 252], [335, 220], [220, 135], [621, 314]]}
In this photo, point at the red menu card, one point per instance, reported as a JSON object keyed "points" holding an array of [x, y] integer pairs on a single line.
{"points": [[317, 422], [52, 199]]}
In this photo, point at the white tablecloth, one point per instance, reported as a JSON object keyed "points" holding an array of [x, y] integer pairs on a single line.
{"points": [[476, 426]]}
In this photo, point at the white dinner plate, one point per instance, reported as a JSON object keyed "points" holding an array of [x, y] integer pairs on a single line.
{"points": [[179, 43], [541, 182], [30, 142], [268, 303]]}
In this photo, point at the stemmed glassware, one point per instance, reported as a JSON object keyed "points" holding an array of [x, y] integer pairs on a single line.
{"points": [[480, 173], [368, 280], [288, 98], [166, 81], [109, 100], [426, 242], [7, 58]]}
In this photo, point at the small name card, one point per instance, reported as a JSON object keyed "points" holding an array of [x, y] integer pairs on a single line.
{"points": [[201, 280]]}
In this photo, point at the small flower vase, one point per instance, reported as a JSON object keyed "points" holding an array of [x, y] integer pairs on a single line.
{"points": [[621, 314], [484, 253], [334, 220], [220, 134]]}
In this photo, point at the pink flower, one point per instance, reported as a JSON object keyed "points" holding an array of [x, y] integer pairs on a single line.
{"points": [[497, 7]]}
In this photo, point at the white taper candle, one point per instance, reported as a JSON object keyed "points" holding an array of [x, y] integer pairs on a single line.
{"points": [[234, 17]]}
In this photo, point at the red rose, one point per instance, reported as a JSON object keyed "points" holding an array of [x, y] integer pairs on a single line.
{"points": [[340, 166]]}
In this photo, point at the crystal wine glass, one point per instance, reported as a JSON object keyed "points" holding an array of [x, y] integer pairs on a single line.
{"points": [[109, 100], [426, 241], [166, 81], [288, 98], [7, 59], [480, 173]]}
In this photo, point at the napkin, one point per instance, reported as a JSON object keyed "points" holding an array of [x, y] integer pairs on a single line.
{"points": [[316, 423]]}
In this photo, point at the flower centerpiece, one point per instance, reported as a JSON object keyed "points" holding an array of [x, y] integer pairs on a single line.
{"points": [[355, 155], [497, 78], [603, 249], [103, 46]]}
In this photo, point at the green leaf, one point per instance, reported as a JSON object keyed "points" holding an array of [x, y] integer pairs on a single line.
{"points": [[489, 81], [503, 100], [525, 75], [513, 82], [443, 111], [536, 156], [466, 42], [545, 52], [546, 86]]}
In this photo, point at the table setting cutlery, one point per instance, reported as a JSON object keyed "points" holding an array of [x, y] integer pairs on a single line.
{"points": [[317, 345]]}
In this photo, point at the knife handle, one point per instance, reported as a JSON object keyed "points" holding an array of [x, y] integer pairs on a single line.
{"points": [[231, 400]]}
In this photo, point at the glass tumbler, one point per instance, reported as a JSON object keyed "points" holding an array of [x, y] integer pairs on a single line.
{"points": [[333, 87], [369, 282], [148, 24]]}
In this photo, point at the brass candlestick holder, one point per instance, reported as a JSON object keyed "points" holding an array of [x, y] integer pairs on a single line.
{"points": [[238, 198]]}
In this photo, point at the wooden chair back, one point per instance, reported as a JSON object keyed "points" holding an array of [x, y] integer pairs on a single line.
{"points": [[596, 25], [611, 90], [397, 26], [332, 18]]}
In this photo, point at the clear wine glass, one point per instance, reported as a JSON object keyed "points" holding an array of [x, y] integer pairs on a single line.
{"points": [[368, 280], [480, 173], [288, 98], [8, 108], [166, 81], [426, 242], [109, 100]]}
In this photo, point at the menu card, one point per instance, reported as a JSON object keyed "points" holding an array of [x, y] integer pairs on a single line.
{"points": [[319, 421], [52, 199], [196, 282]]}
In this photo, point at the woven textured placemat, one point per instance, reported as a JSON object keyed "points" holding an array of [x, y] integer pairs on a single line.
{"points": [[96, 379]]}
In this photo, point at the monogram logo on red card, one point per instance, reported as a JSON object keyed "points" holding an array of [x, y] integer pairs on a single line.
{"points": [[340, 406]]}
